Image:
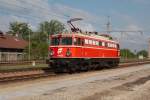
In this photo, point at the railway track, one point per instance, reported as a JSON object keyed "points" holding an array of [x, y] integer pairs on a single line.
{"points": [[22, 75], [13, 63], [30, 74]]}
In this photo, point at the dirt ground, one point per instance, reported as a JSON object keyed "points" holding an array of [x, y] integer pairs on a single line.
{"points": [[132, 83]]}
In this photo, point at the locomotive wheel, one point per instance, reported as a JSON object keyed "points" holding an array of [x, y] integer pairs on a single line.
{"points": [[84, 67], [78, 65], [98, 67], [72, 69], [114, 64]]}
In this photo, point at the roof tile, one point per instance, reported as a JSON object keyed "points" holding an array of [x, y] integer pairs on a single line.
{"points": [[7, 41]]}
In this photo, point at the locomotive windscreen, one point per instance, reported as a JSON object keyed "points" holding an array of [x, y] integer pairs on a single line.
{"points": [[55, 41], [61, 41], [66, 41]]}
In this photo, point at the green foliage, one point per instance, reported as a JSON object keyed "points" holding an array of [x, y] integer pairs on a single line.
{"points": [[55, 27], [40, 50], [39, 39], [21, 29], [52, 27], [126, 53], [143, 52]]}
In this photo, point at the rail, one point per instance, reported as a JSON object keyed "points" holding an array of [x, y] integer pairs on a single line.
{"points": [[30, 74], [22, 62]]}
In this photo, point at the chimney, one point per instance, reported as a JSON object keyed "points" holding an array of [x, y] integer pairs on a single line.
{"points": [[1, 34], [16, 35]]}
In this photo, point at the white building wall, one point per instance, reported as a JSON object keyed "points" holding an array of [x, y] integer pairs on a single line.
{"points": [[11, 56]]}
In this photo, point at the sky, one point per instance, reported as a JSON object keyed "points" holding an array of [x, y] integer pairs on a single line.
{"points": [[126, 15]]}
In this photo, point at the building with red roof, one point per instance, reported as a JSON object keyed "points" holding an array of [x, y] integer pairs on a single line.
{"points": [[11, 47]]}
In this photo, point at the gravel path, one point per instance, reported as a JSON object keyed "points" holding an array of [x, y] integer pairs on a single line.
{"points": [[131, 83]]}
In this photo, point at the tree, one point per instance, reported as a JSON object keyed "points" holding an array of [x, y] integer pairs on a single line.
{"points": [[48, 28], [142, 52], [126, 53], [21, 29], [40, 38], [55, 27]]}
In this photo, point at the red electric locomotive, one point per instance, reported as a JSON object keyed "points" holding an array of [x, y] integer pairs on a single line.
{"points": [[76, 51]]}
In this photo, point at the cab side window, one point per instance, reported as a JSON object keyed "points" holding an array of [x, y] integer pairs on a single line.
{"points": [[100, 43], [55, 41], [118, 46], [78, 41]]}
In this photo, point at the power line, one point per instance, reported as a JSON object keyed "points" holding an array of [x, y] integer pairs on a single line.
{"points": [[45, 10], [48, 13], [27, 9], [26, 14], [27, 17]]}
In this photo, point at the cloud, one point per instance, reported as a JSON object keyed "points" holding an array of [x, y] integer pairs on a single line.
{"points": [[69, 12], [16, 10], [145, 2], [133, 27], [132, 40], [36, 11]]}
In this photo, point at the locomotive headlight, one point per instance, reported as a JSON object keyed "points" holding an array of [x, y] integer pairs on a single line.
{"points": [[68, 52], [51, 52]]}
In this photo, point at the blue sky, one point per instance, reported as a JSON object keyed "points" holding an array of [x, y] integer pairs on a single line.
{"points": [[119, 10], [125, 15]]}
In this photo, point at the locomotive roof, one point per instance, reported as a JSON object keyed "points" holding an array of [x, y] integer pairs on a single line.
{"points": [[94, 36]]}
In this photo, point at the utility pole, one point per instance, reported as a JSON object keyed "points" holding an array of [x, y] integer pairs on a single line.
{"points": [[29, 56], [49, 43], [108, 25], [109, 28], [149, 48]]}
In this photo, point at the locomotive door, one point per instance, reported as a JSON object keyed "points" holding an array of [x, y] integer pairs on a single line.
{"points": [[82, 49], [79, 43]]}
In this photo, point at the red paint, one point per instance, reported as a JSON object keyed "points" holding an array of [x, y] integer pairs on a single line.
{"points": [[85, 50]]}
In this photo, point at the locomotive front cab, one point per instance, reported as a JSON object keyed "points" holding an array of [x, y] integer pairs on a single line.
{"points": [[60, 50], [65, 51], [60, 46]]}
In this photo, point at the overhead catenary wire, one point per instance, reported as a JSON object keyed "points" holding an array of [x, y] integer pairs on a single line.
{"points": [[46, 11], [27, 15], [28, 9]]}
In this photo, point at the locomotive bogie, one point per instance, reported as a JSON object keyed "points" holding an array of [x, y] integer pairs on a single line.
{"points": [[80, 64]]}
